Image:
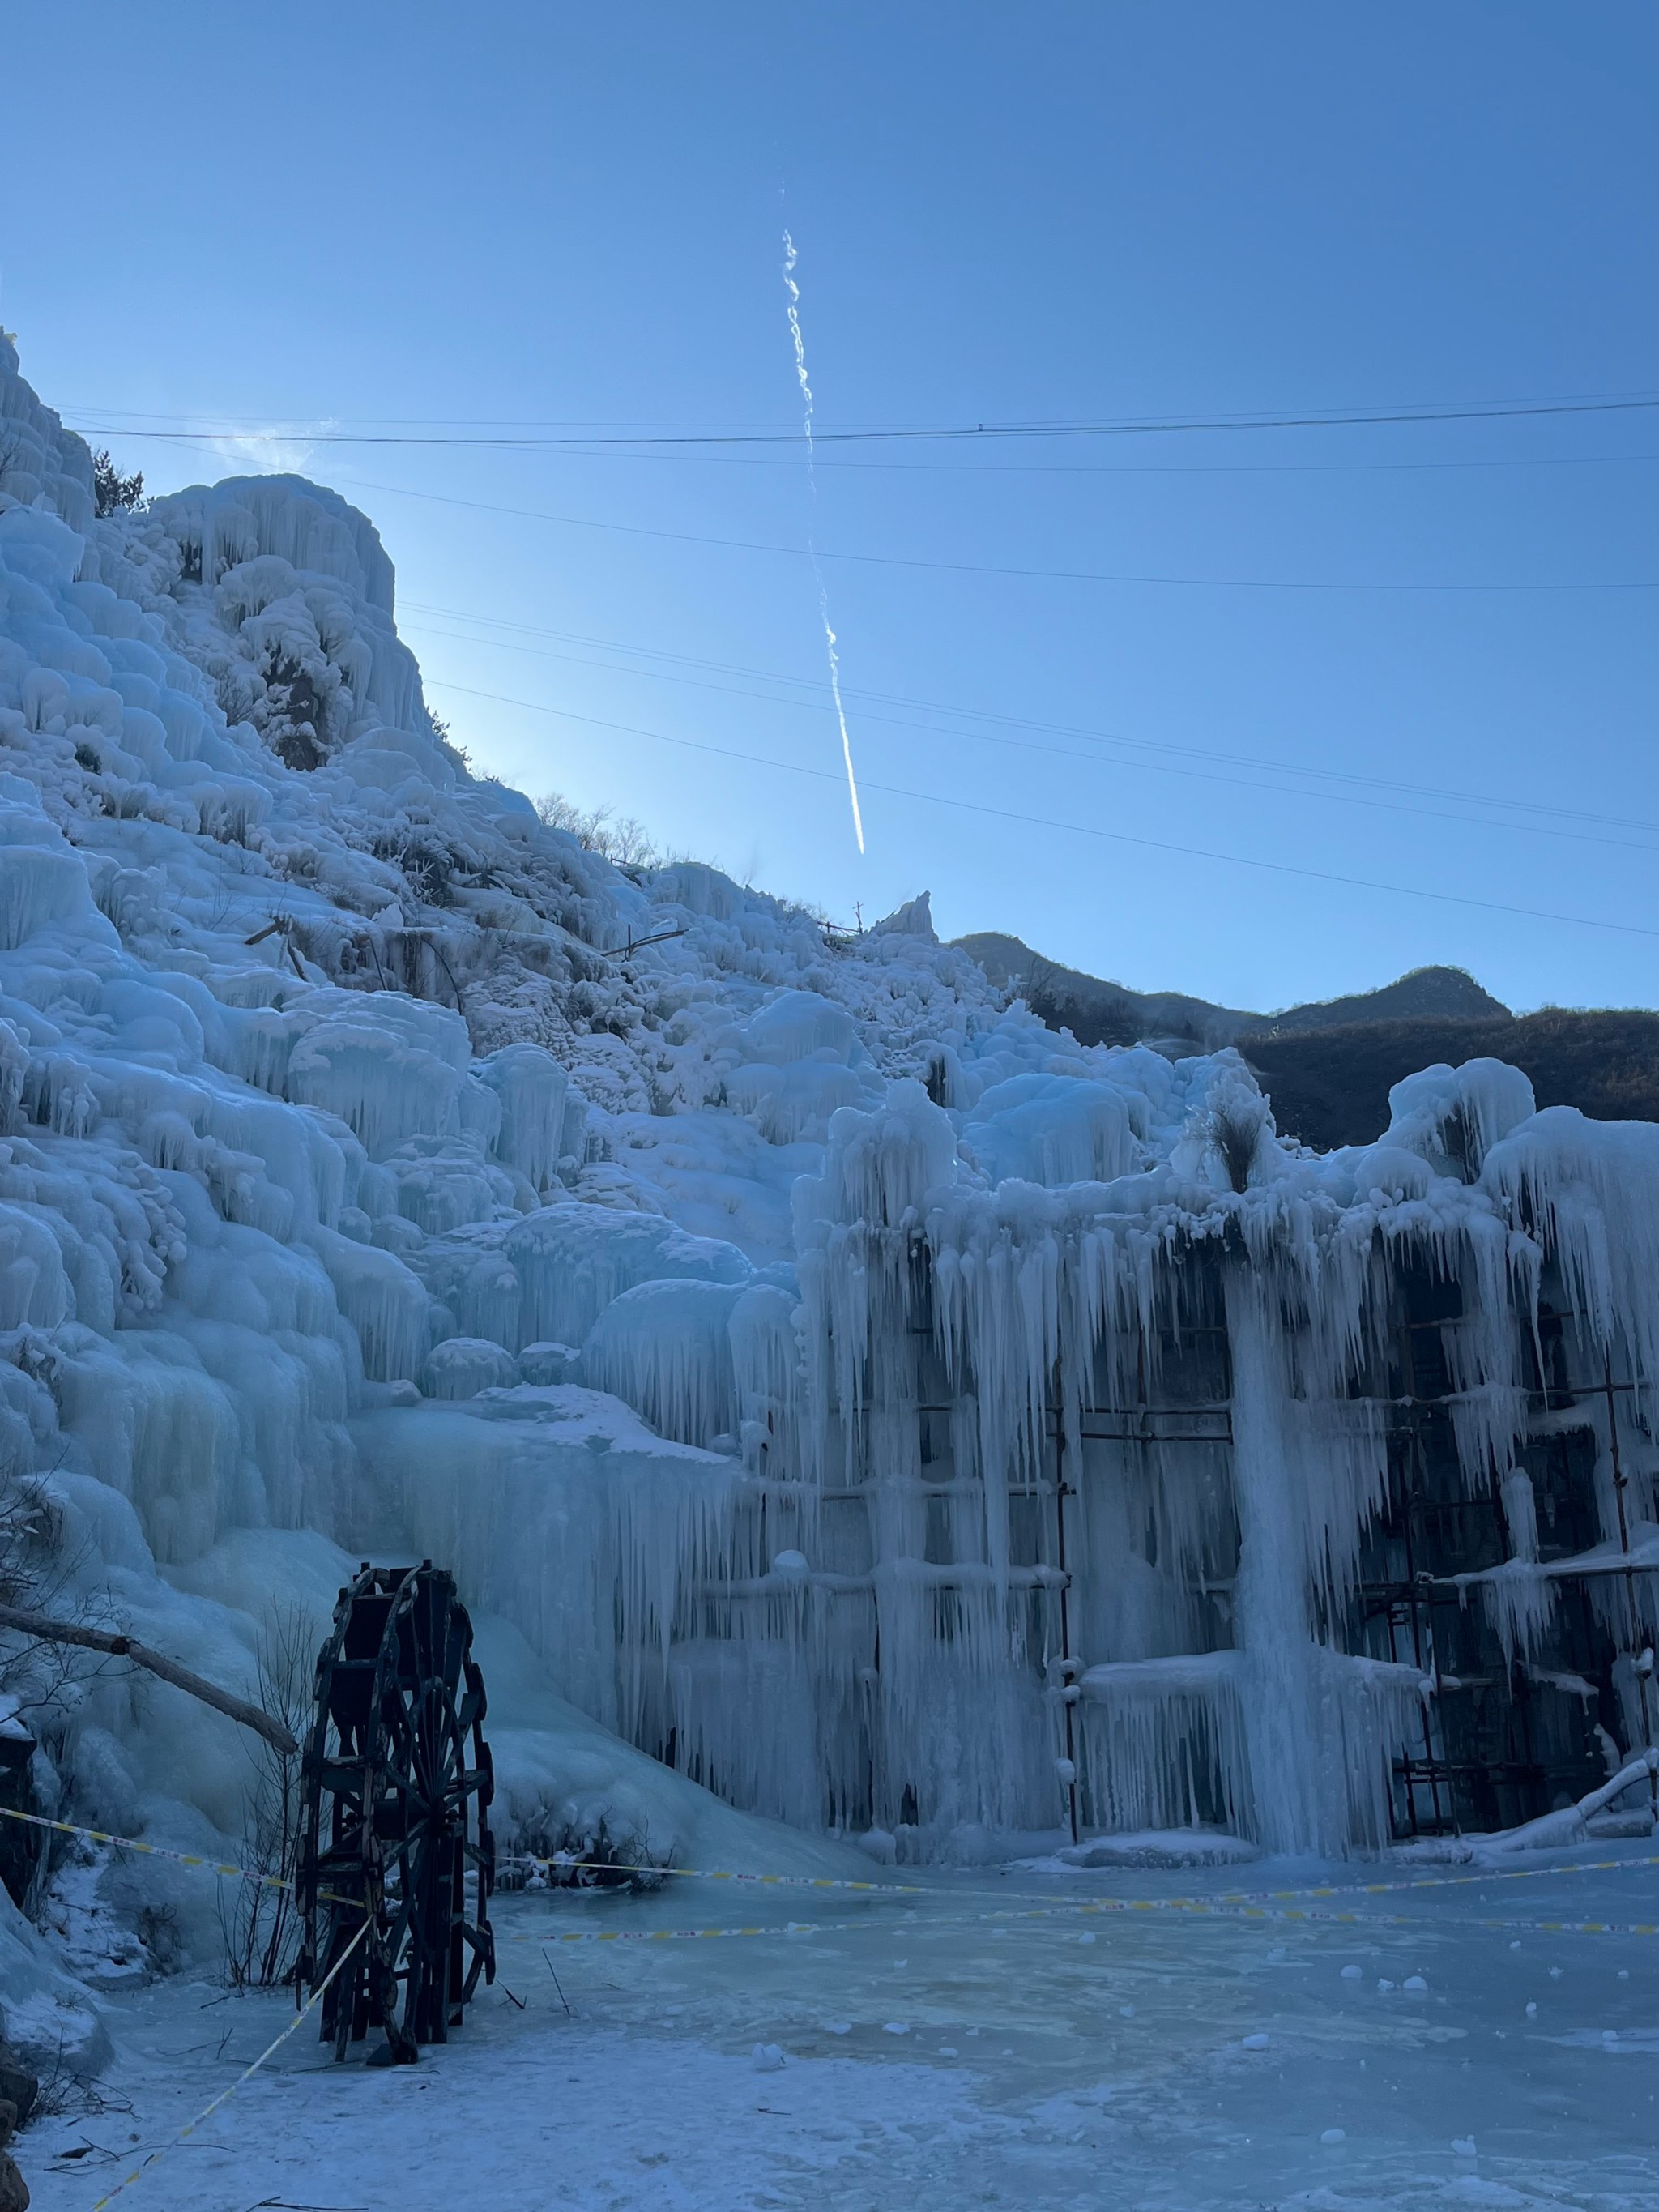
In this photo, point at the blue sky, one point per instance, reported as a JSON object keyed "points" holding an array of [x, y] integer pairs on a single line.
{"points": [[415, 221]]}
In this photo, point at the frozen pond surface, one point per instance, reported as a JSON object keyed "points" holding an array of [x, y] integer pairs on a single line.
{"points": [[932, 2057]]}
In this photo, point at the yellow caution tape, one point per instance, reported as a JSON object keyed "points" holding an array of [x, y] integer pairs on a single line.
{"points": [[180, 1858], [931, 1921], [1247, 1904], [1433, 1881], [208, 2111], [151, 1850], [561, 1862], [690, 1934]]}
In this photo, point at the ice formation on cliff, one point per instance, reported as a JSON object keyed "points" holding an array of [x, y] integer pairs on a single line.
{"points": [[880, 1409]]}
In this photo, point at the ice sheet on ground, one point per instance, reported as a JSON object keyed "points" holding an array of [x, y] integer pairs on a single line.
{"points": [[1035, 2070]]}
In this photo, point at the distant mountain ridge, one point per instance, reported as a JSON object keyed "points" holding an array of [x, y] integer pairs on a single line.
{"points": [[1423, 993], [1110, 1012], [1327, 1066]]}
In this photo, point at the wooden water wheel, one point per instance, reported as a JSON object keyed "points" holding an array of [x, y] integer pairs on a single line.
{"points": [[396, 1784]]}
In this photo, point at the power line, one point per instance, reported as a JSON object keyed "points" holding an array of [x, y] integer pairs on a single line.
{"points": [[1102, 469], [642, 424], [1125, 426], [1459, 798], [984, 569], [1058, 729], [1018, 721], [968, 805], [302, 433], [1045, 821], [1097, 760], [970, 568]]}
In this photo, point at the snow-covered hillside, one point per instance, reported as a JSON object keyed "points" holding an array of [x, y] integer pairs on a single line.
{"points": [[361, 1192]]}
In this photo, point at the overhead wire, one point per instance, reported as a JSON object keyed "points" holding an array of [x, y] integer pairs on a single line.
{"points": [[302, 431], [987, 569], [1049, 822], [1098, 760], [1322, 585], [840, 465], [1282, 868], [1127, 426], [1027, 721]]}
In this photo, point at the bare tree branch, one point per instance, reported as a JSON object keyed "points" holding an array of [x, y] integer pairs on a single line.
{"points": [[49, 1631]]}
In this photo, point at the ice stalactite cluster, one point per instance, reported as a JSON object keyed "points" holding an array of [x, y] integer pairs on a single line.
{"points": [[820, 1374], [1117, 1481]]}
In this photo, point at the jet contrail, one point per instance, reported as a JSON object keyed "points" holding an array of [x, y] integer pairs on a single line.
{"points": [[790, 258]]}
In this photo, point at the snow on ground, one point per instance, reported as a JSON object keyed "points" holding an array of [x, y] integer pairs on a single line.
{"points": [[933, 2059]]}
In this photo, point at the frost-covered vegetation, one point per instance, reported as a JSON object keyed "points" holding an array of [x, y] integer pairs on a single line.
{"points": [[723, 1312]]}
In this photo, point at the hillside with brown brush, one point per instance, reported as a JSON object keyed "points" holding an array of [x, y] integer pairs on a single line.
{"points": [[1329, 1066], [1330, 1086]]}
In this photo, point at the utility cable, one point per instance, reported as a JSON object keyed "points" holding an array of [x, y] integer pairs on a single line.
{"points": [[1077, 829], [1141, 426], [302, 432], [982, 568], [987, 569], [1066, 752], [1023, 721]]}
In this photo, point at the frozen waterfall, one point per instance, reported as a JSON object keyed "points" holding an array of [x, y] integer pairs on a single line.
{"points": [[871, 1406]]}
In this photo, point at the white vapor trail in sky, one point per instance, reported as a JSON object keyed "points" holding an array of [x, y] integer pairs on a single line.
{"points": [[790, 258]]}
